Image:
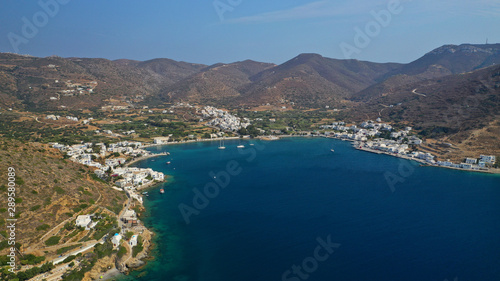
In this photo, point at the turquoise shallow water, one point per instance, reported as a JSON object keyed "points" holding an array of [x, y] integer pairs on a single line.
{"points": [[291, 196]]}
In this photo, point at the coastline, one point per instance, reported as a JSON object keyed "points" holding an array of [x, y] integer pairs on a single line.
{"points": [[425, 163], [189, 141], [145, 157], [115, 274]]}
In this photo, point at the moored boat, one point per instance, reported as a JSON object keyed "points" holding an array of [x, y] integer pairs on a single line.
{"points": [[221, 145]]}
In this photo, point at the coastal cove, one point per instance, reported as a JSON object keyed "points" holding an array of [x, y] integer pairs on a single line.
{"points": [[389, 218]]}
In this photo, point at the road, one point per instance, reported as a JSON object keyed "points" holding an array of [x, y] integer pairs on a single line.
{"points": [[420, 94], [81, 250]]}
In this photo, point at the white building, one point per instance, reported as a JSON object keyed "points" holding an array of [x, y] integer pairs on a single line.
{"points": [[83, 221], [470, 160], [133, 241], [465, 166], [488, 159], [161, 140], [116, 240]]}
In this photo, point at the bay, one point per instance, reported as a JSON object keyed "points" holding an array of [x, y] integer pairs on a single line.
{"points": [[389, 218]]}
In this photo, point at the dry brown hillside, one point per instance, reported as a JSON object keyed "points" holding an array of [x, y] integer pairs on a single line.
{"points": [[50, 190]]}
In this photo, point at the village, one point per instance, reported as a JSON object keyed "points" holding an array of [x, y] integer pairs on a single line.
{"points": [[223, 119], [367, 138]]}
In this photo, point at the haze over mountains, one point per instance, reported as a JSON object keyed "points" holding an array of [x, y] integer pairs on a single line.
{"points": [[306, 81]]}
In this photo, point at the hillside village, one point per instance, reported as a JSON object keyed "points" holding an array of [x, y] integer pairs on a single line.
{"points": [[130, 177], [223, 119], [399, 143]]}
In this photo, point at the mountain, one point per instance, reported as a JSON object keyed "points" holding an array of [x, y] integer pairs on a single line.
{"points": [[443, 61], [449, 104], [215, 84], [306, 81], [78, 83], [452, 59], [311, 80]]}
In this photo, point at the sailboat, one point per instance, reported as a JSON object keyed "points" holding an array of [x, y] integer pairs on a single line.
{"points": [[240, 145], [221, 145]]}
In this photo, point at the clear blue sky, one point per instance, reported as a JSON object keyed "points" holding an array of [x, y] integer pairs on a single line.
{"points": [[270, 31]]}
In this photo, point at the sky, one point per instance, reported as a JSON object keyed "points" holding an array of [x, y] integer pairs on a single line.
{"points": [[226, 31]]}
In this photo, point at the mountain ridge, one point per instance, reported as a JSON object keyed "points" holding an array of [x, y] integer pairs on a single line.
{"points": [[306, 81]]}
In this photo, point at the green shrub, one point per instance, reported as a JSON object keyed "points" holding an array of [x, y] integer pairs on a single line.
{"points": [[121, 252], [43, 227], [52, 241], [34, 208], [59, 190], [68, 259], [65, 249]]}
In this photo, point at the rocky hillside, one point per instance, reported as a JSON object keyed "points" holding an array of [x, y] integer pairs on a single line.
{"points": [[82, 83], [448, 105], [217, 84], [49, 191], [306, 81]]}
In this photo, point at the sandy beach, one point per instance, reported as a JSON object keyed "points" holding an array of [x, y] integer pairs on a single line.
{"points": [[110, 274]]}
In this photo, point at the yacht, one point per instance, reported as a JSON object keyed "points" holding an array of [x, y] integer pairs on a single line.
{"points": [[221, 145], [240, 145]]}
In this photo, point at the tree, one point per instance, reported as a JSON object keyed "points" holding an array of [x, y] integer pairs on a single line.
{"points": [[128, 235]]}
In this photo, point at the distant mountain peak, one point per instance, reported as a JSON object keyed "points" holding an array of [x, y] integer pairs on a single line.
{"points": [[466, 48], [309, 56]]}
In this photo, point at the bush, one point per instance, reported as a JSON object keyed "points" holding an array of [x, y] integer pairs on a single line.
{"points": [[128, 235], [43, 227], [69, 226], [65, 249], [34, 208], [121, 252], [31, 259], [68, 259], [138, 248], [59, 190], [52, 241]]}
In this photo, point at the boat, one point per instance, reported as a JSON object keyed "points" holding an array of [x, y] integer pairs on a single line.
{"points": [[168, 162], [145, 192], [221, 145], [240, 146], [252, 144], [332, 150], [162, 190]]}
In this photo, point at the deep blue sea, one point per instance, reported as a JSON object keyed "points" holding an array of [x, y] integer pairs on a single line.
{"points": [[293, 210]]}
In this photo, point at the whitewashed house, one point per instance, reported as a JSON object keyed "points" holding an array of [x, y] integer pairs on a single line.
{"points": [[83, 221], [465, 166], [116, 240], [488, 159], [133, 241], [470, 160]]}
